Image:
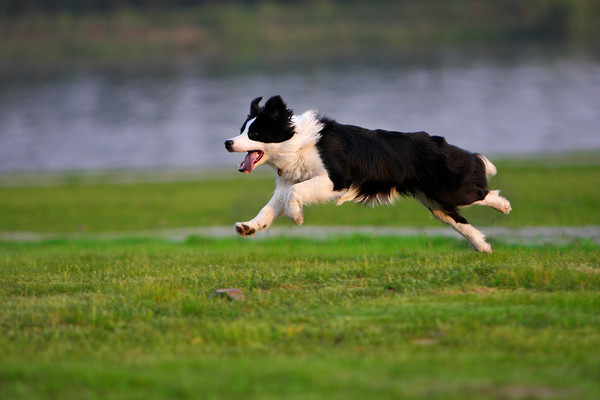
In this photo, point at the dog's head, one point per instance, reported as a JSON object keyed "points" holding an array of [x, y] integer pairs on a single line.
{"points": [[263, 129]]}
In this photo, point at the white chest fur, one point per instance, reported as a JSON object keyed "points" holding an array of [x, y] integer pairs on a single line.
{"points": [[298, 159]]}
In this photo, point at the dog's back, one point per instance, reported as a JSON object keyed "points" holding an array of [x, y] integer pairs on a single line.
{"points": [[379, 163]]}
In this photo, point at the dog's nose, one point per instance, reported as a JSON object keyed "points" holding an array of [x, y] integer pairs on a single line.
{"points": [[229, 145]]}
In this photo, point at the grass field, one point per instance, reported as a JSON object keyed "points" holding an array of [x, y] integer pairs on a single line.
{"points": [[546, 192], [342, 318], [347, 317]]}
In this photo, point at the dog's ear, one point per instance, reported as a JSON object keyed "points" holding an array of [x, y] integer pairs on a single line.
{"points": [[254, 106], [276, 108]]}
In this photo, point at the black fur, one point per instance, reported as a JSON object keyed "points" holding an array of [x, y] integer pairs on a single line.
{"points": [[273, 121], [379, 162]]}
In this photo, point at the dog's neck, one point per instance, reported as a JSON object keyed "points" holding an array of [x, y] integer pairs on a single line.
{"points": [[297, 159]]}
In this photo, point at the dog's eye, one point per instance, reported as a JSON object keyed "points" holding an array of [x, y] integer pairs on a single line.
{"points": [[252, 134]]}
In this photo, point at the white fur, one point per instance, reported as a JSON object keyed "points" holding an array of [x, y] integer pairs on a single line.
{"points": [[247, 127], [468, 231], [352, 194], [268, 213], [298, 158], [497, 202], [243, 143], [303, 180], [490, 169], [476, 238]]}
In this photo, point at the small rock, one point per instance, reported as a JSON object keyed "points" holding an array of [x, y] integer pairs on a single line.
{"points": [[231, 294], [425, 341]]}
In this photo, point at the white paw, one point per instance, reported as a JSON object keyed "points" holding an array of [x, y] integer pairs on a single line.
{"points": [[498, 202], [505, 208], [298, 219], [296, 216], [293, 210], [245, 228], [482, 247]]}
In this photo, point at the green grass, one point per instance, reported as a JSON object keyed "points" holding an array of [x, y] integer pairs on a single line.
{"points": [[341, 318], [355, 317], [541, 193]]}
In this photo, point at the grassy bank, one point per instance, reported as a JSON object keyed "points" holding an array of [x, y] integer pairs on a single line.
{"points": [[542, 193], [265, 29], [343, 318]]}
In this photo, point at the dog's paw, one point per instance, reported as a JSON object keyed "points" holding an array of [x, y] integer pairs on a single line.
{"points": [[244, 229], [482, 247], [293, 210], [498, 202], [297, 219], [505, 208], [295, 215]]}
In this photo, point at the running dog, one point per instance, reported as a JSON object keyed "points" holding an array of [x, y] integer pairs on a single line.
{"points": [[318, 160]]}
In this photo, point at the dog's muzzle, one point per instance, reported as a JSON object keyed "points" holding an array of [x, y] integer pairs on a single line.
{"points": [[229, 145]]}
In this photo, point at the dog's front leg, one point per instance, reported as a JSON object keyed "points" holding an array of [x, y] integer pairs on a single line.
{"points": [[267, 214], [315, 190]]}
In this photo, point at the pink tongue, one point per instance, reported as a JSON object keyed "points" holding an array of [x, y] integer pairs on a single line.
{"points": [[248, 164]]}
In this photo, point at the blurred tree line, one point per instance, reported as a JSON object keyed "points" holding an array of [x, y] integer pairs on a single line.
{"points": [[44, 29], [553, 18], [19, 7]]}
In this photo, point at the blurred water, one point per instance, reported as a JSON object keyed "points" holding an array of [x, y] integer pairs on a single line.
{"points": [[179, 114]]}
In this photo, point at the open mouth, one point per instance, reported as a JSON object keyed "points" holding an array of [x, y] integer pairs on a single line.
{"points": [[250, 161]]}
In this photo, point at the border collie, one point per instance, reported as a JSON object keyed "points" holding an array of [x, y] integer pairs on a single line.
{"points": [[319, 160]]}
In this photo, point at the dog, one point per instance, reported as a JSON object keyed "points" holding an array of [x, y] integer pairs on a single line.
{"points": [[317, 160]]}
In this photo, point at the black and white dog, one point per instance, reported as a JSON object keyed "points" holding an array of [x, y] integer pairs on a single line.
{"points": [[319, 160]]}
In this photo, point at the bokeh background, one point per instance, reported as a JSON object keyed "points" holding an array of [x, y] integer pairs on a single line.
{"points": [[136, 84]]}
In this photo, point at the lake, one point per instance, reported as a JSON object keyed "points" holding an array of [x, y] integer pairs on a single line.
{"points": [[501, 102]]}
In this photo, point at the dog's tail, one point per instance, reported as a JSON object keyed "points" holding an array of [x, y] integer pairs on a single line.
{"points": [[490, 169]]}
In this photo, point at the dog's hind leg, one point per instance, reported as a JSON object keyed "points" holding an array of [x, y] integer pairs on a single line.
{"points": [[451, 216], [460, 225], [497, 202]]}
